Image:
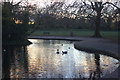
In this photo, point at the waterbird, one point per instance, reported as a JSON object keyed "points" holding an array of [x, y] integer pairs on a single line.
{"points": [[64, 52], [57, 51]]}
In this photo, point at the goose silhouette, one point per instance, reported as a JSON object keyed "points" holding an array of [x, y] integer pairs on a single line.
{"points": [[57, 51], [64, 52]]}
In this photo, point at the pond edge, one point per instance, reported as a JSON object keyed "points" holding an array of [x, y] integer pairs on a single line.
{"points": [[96, 51]]}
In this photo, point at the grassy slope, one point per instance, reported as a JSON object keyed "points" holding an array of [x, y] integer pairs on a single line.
{"points": [[113, 35]]}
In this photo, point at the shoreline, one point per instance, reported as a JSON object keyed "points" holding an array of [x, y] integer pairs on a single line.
{"points": [[18, 43], [88, 44]]}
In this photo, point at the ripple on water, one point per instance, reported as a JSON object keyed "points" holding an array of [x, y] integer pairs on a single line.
{"points": [[43, 62]]}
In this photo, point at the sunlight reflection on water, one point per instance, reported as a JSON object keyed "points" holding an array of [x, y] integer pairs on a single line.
{"points": [[42, 55], [44, 62]]}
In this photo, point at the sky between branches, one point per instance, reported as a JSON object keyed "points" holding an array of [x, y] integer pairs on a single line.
{"points": [[43, 3]]}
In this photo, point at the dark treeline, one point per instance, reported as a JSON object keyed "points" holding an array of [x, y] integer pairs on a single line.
{"points": [[95, 16], [11, 30], [50, 22]]}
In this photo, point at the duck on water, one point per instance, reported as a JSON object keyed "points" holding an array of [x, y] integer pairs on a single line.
{"points": [[63, 52]]}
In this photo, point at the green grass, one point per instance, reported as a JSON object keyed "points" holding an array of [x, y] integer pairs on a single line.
{"points": [[113, 35], [64, 32]]}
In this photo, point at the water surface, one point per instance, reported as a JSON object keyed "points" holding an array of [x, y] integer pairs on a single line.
{"points": [[41, 60]]}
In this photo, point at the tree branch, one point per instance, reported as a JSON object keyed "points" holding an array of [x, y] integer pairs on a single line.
{"points": [[93, 6], [113, 5], [18, 3]]}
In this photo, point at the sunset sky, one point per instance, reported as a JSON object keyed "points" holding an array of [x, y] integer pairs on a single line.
{"points": [[43, 3]]}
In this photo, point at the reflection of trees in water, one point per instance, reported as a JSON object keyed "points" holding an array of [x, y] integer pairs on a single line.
{"points": [[97, 61], [25, 56], [15, 62], [97, 73], [6, 59]]}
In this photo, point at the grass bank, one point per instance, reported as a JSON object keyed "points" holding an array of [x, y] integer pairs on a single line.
{"points": [[112, 35]]}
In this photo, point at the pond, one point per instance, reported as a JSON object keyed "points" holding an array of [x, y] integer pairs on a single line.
{"points": [[54, 59]]}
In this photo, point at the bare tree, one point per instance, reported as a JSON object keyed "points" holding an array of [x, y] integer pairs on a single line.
{"points": [[79, 9], [88, 9], [98, 7]]}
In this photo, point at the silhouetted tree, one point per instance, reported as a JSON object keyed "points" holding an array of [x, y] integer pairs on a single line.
{"points": [[11, 30], [83, 9]]}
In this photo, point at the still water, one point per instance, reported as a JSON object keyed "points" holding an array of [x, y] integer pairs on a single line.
{"points": [[54, 59]]}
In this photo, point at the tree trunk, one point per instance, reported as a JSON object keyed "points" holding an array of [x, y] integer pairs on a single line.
{"points": [[97, 25]]}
